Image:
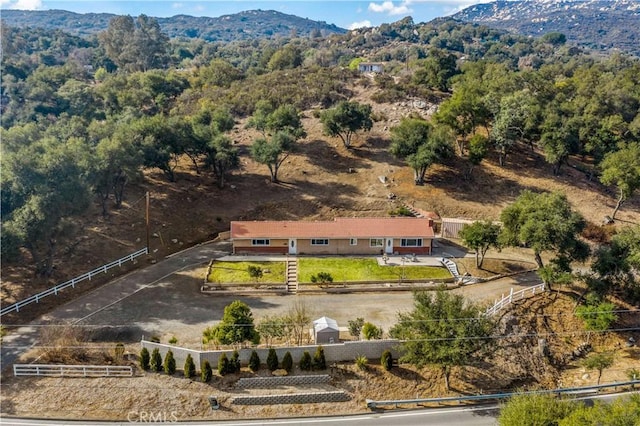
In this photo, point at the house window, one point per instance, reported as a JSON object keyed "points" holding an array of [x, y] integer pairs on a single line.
{"points": [[353, 241], [319, 242], [260, 242], [411, 242], [376, 242]]}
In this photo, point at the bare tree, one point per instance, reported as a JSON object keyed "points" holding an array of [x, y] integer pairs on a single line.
{"points": [[298, 319]]}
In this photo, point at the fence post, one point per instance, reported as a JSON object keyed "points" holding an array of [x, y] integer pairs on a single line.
{"points": [[511, 295]]}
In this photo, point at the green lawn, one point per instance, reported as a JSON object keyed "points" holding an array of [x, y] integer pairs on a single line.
{"points": [[364, 269], [236, 272]]}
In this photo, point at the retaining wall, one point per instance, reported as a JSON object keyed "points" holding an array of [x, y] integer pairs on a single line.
{"points": [[270, 382], [337, 352], [295, 398]]}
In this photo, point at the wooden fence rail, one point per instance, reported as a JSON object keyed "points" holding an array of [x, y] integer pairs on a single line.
{"points": [[72, 282], [53, 370], [514, 297]]}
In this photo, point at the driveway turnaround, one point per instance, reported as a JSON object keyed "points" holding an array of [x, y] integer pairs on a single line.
{"points": [[164, 300]]}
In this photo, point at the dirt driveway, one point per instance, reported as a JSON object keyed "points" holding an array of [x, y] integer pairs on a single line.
{"points": [[164, 300]]}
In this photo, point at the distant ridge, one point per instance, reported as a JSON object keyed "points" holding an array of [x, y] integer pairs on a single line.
{"points": [[599, 24], [245, 25]]}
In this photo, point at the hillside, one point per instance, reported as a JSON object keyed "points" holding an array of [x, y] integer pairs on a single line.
{"points": [[602, 24], [240, 26], [322, 180]]}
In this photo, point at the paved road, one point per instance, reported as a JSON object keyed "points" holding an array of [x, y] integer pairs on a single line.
{"points": [[465, 416], [478, 416]]}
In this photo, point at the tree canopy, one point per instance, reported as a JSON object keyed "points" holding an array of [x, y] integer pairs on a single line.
{"points": [[544, 222], [443, 329], [420, 144], [346, 119], [480, 236], [236, 326]]}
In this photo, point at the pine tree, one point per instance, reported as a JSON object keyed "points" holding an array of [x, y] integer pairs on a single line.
{"points": [[207, 372], [386, 360], [223, 364], [287, 362], [319, 361], [156, 361], [305, 361], [189, 367], [254, 361], [169, 363], [272, 360], [145, 358]]}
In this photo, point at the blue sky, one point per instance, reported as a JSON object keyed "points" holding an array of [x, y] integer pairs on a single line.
{"points": [[344, 13]]}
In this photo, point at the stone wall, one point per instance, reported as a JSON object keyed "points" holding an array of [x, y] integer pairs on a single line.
{"points": [[270, 382], [295, 398], [339, 352]]}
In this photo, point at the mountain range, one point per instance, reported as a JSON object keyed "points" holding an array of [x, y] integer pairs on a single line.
{"points": [[598, 24], [249, 24]]}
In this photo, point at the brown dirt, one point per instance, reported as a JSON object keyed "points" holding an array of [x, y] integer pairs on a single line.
{"points": [[322, 180], [513, 363], [316, 183]]}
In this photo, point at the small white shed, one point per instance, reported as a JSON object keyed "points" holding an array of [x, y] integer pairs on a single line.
{"points": [[325, 330]]}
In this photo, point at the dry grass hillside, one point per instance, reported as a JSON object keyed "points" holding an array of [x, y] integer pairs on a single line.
{"points": [[322, 179]]}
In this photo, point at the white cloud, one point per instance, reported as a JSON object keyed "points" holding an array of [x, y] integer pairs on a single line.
{"points": [[361, 24], [22, 4], [390, 8], [177, 5]]}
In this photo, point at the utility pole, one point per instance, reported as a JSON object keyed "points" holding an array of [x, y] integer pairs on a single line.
{"points": [[147, 220]]}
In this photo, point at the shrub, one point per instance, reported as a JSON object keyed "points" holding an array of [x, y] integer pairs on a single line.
{"points": [[119, 352], [319, 361], [234, 363], [169, 363], [255, 272], [223, 364], [254, 361], [156, 361], [386, 360], [287, 362], [305, 361], [361, 362], [189, 367], [272, 360], [370, 331], [144, 359], [322, 278], [207, 372], [173, 340]]}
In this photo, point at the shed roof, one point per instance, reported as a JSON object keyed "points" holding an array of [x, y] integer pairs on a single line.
{"points": [[325, 323], [371, 227]]}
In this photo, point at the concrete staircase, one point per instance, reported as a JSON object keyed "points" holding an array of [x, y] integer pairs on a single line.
{"points": [[453, 268], [292, 276], [415, 212]]}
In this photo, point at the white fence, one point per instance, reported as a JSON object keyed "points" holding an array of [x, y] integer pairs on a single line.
{"points": [[72, 282], [52, 370], [514, 297]]}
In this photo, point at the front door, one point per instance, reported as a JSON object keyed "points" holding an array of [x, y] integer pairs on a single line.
{"points": [[388, 246], [292, 246]]}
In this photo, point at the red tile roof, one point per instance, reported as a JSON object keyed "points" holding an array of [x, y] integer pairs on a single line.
{"points": [[373, 227]]}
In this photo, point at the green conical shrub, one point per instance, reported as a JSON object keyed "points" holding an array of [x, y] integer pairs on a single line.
{"points": [[145, 358], [207, 372], [254, 361], [189, 367]]}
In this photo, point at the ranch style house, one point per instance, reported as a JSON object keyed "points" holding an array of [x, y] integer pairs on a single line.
{"points": [[366, 236]]}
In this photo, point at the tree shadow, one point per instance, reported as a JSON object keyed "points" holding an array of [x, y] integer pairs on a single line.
{"points": [[320, 153]]}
